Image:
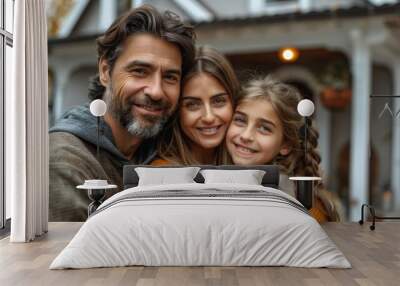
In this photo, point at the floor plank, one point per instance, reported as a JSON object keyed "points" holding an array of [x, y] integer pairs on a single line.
{"points": [[374, 255]]}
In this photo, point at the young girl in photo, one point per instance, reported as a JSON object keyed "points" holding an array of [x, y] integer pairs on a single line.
{"points": [[196, 134], [265, 129]]}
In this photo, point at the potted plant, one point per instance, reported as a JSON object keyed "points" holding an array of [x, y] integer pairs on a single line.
{"points": [[336, 92]]}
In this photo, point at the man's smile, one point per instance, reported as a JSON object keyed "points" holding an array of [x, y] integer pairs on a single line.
{"points": [[149, 109]]}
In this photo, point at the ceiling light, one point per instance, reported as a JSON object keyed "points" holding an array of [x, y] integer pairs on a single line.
{"points": [[288, 55]]}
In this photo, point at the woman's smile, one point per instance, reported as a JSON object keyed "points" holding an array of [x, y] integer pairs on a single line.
{"points": [[210, 130]]}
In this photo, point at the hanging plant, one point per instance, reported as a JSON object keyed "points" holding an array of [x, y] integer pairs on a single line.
{"points": [[336, 92]]}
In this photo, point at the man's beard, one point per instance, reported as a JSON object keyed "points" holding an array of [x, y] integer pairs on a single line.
{"points": [[123, 113]]}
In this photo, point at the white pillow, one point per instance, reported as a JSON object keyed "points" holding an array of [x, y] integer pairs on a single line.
{"points": [[163, 176], [248, 177]]}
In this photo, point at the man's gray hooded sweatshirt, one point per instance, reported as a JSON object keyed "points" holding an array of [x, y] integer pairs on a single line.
{"points": [[73, 160]]}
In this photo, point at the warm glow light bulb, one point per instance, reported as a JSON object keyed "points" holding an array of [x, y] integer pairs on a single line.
{"points": [[305, 107], [288, 54], [98, 107]]}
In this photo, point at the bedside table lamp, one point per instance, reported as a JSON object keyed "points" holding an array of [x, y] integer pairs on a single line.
{"points": [[305, 108], [305, 184], [98, 108], [96, 189]]}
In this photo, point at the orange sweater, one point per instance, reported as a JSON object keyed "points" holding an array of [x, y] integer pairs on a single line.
{"points": [[318, 211], [159, 162]]}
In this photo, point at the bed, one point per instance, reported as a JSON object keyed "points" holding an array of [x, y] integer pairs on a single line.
{"points": [[201, 223]]}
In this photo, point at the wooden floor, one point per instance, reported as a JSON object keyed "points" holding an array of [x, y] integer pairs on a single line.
{"points": [[374, 255]]}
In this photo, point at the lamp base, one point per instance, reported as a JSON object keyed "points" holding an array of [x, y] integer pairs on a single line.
{"points": [[305, 193], [96, 190], [305, 190], [97, 196]]}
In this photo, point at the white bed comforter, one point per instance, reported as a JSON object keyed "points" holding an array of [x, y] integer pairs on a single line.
{"points": [[248, 225]]}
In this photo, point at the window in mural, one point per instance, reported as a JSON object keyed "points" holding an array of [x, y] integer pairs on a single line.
{"points": [[6, 43]]}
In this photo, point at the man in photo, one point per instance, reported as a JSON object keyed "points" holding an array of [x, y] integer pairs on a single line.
{"points": [[141, 60]]}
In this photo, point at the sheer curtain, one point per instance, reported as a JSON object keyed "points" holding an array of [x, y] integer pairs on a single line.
{"points": [[27, 124]]}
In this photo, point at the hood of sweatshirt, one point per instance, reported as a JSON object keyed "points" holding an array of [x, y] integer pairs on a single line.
{"points": [[80, 122]]}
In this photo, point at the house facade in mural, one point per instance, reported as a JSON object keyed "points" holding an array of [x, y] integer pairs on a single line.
{"points": [[347, 51]]}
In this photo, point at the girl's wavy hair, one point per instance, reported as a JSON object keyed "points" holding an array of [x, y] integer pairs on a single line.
{"points": [[144, 19], [284, 99], [174, 146]]}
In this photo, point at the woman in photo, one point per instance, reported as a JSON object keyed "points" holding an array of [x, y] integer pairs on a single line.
{"points": [[206, 106], [265, 130]]}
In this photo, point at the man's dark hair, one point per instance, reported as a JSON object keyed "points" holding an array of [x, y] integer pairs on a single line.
{"points": [[144, 19]]}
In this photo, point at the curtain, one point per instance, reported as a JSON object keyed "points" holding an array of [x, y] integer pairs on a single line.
{"points": [[27, 124]]}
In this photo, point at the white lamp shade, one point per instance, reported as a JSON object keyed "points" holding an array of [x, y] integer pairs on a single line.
{"points": [[98, 107], [305, 107]]}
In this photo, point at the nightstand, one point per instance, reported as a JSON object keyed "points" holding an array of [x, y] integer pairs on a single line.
{"points": [[96, 190], [305, 190]]}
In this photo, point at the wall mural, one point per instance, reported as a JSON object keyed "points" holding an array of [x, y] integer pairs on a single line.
{"points": [[187, 105]]}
